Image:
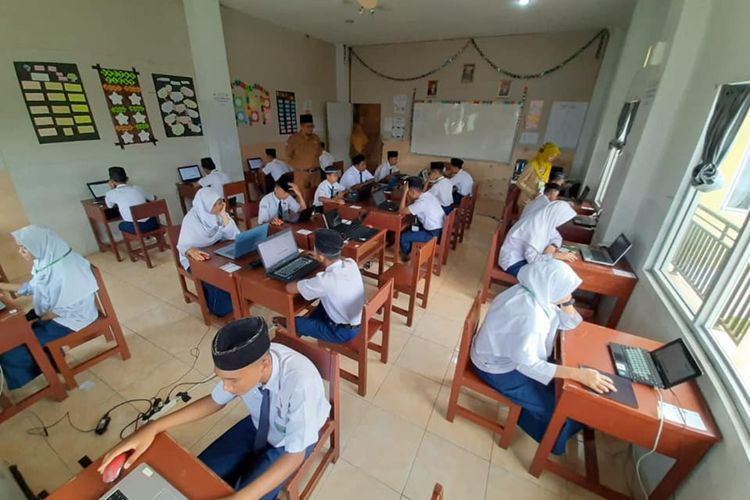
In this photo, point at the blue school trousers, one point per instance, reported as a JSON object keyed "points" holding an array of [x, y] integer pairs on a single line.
{"points": [[448, 209], [147, 225], [537, 402], [232, 458], [318, 325], [19, 367], [457, 198], [421, 236], [513, 270]]}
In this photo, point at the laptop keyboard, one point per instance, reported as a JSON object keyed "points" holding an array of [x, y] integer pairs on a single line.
{"points": [[288, 270], [638, 365], [600, 255], [117, 495]]}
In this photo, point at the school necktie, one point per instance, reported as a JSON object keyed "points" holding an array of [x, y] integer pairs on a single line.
{"points": [[261, 434], [280, 212], [360, 178], [331, 191]]}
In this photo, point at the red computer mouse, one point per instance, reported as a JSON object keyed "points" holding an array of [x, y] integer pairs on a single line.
{"points": [[113, 470]]}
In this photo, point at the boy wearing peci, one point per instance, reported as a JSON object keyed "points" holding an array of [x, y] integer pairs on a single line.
{"points": [[280, 205], [125, 196]]}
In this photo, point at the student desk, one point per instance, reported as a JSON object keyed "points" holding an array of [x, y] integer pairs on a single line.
{"points": [[181, 469], [99, 215], [572, 232], [587, 345], [16, 331], [186, 191]]}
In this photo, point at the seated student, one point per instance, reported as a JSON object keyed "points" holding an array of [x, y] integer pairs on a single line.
{"points": [[536, 174], [274, 168], [214, 179], [387, 168], [428, 212], [512, 348], [357, 173], [286, 399], [280, 205], [535, 238], [125, 196], [340, 289], [461, 180], [440, 187], [325, 159], [206, 223], [63, 290], [550, 194], [329, 189]]}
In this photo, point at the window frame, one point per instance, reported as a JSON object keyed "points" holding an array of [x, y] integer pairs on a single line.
{"points": [[738, 177]]}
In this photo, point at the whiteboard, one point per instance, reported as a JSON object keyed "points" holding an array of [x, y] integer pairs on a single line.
{"points": [[477, 131], [565, 123]]}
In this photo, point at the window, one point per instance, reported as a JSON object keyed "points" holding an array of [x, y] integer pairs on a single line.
{"points": [[739, 196]]}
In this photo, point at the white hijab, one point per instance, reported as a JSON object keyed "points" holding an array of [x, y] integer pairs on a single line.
{"points": [[200, 228], [539, 229], [547, 282], [60, 277]]}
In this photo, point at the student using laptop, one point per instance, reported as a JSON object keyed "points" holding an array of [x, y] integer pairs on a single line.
{"points": [[512, 347], [206, 223], [125, 196], [387, 168], [462, 181], [273, 168], [329, 189], [214, 179], [357, 173], [340, 289], [286, 399], [551, 193], [440, 187], [536, 238], [426, 209], [280, 205]]}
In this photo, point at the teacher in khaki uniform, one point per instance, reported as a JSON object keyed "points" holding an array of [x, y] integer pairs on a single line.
{"points": [[303, 152]]}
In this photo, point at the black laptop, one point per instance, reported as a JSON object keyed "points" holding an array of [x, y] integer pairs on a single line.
{"points": [[98, 190], [380, 201], [664, 367], [254, 163], [582, 195], [359, 192], [351, 231], [282, 259], [189, 173]]}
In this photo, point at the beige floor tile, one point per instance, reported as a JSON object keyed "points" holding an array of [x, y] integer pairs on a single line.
{"points": [[90, 392], [517, 460], [503, 485], [462, 474], [129, 301], [353, 410], [346, 482], [161, 379], [449, 306], [376, 374], [408, 395], [425, 358], [384, 445], [144, 357], [440, 329], [178, 336]]}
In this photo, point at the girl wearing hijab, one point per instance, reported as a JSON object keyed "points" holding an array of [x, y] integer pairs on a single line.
{"points": [[62, 287], [205, 224], [536, 175], [511, 350], [535, 238]]}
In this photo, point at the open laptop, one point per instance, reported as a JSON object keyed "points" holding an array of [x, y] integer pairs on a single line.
{"points": [[245, 243], [189, 173], [381, 202], [359, 192], [607, 256], [143, 483], [282, 259], [306, 214], [582, 195], [351, 231], [254, 163], [664, 367], [98, 189]]}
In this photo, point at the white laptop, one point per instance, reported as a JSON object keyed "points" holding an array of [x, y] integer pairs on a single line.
{"points": [[143, 483], [607, 255]]}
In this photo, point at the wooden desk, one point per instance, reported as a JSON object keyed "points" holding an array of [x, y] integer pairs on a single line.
{"points": [[99, 215], [183, 471], [587, 345], [186, 191], [571, 231], [16, 331]]}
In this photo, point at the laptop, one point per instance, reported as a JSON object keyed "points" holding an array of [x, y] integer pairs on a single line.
{"points": [[589, 221], [282, 259], [351, 231], [306, 214], [245, 243], [190, 173], [607, 256], [664, 367], [143, 483], [254, 163], [359, 192], [381, 202], [98, 190]]}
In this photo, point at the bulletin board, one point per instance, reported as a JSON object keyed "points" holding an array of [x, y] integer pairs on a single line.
{"points": [[178, 105], [286, 103]]}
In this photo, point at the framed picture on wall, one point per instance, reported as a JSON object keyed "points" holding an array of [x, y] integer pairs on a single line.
{"points": [[432, 87], [504, 90], [467, 76]]}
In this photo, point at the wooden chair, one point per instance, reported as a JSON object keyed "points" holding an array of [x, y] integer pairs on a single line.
{"points": [[357, 348], [465, 377], [441, 251], [327, 363], [155, 209], [474, 197], [182, 274], [252, 182], [308, 194], [406, 277], [492, 271], [232, 190], [437, 492], [250, 210], [106, 325]]}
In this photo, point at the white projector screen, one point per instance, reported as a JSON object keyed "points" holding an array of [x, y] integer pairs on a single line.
{"points": [[476, 131]]}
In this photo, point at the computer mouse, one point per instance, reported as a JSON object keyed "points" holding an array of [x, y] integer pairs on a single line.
{"points": [[113, 470]]}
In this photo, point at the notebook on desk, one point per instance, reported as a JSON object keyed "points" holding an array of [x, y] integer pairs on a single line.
{"points": [[98, 190]]}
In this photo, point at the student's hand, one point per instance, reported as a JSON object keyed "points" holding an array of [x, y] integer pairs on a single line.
{"points": [[295, 188], [277, 222], [340, 201], [198, 255], [137, 443], [551, 249], [566, 256], [596, 381]]}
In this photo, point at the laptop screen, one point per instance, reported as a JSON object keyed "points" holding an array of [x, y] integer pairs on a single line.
{"points": [[618, 248], [331, 218], [254, 163], [583, 194], [378, 196], [189, 173], [675, 363], [98, 189], [277, 248]]}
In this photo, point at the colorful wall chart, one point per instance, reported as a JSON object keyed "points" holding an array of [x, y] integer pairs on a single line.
{"points": [[178, 105], [286, 103], [56, 100], [252, 103], [125, 102]]}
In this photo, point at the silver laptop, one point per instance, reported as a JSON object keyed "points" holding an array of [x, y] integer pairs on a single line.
{"points": [[143, 483], [607, 256], [245, 243]]}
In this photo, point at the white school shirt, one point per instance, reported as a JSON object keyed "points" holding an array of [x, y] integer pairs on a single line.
{"points": [[324, 191], [534, 206], [269, 208], [340, 290], [216, 181], [384, 170], [298, 404], [125, 196], [326, 159], [352, 177], [427, 209], [442, 189], [75, 316], [276, 168], [463, 182]]}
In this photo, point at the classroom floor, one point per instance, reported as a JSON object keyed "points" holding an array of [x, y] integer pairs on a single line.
{"points": [[396, 442]]}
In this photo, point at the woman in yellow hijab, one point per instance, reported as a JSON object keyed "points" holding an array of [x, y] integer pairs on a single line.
{"points": [[536, 175]]}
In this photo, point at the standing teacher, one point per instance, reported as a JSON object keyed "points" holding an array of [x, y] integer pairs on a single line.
{"points": [[303, 154]]}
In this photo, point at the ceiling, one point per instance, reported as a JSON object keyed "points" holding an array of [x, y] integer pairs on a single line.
{"points": [[418, 20]]}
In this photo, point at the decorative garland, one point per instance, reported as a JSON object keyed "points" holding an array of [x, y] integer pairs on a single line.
{"points": [[602, 37]]}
